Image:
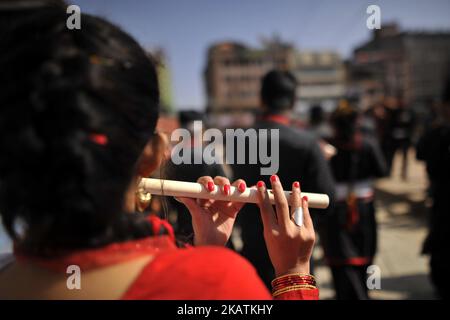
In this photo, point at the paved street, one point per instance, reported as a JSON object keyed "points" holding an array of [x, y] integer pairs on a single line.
{"points": [[402, 218]]}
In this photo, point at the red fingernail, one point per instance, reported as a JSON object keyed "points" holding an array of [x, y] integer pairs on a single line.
{"points": [[305, 198], [226, 189], [274, 178], [260, 184], [296, 184], [211, 186], [241, 187]]}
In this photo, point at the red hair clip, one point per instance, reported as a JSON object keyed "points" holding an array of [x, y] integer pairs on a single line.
{"points": [[98, 138]]}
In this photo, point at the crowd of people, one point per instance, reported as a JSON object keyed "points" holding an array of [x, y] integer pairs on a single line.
{"points": [[341, 154], [347, 228], [77, 133], [389, 127]]}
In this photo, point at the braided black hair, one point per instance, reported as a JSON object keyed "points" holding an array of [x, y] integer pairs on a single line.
{"points": [[58, 89]]}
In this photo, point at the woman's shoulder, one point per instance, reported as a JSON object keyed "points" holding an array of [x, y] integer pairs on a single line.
{"points": [[198, 273]]}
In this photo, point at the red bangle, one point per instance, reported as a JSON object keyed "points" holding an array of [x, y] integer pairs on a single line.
{"points": [[291, 282]]}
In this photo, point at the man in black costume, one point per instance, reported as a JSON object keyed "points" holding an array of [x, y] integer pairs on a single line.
{"points": [[300, 159], [434, 149], [350, 239]]}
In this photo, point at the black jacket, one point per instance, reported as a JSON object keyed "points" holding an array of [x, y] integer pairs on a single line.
{"points": [[300, 159]]}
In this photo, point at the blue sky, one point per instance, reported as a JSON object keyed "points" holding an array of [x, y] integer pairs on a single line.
{"points": [[185, 28]]}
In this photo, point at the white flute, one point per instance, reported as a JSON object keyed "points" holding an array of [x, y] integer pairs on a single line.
{"points": [[196, 190]]}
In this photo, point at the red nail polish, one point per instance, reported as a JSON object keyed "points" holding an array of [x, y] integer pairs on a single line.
{"points": [[226, 189], [211, 186], [260, 184], [296, 184], [241, 187], [274, 178], [305, 198]]}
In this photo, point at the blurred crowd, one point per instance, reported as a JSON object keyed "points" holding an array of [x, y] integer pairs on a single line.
{"points": [[341, 154]]}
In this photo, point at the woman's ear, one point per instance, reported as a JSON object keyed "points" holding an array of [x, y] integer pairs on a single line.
{"points": [[152, 155]]}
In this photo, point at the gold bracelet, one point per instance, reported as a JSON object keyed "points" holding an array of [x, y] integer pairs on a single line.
{"points": [[293, 288], [292, 274], [286, 290]]}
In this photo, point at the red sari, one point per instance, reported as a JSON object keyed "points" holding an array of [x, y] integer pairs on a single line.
{"points": [[201, 273]]}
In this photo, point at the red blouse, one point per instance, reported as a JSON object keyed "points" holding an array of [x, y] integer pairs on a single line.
{"points": [[200, 273]]}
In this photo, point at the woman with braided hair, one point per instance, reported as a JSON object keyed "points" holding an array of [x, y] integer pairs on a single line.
{"points": [[78, 110]]}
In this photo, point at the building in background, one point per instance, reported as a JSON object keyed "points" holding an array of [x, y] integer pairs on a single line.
{"points": [[427, 63], [233, 77], [409, 65], [165, 80], [321, 79], [233, 73]]}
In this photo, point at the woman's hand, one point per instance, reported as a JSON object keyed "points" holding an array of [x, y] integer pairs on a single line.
{"points": [[289, 246], [212, 220]]}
